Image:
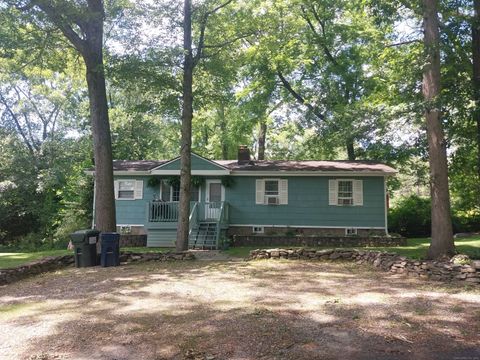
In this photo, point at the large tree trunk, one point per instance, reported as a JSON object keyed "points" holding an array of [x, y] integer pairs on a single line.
{"points": [[442, 235], [186, 142], [262, 136], [223, 130], [102, 146], [476, 74], [350, 149], [105, 218]]}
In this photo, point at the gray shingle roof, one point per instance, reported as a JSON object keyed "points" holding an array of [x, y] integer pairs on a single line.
{"points": [[270, 165], [137, 165], [308, 165]]}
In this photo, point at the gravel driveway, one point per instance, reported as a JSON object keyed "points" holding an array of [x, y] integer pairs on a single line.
{"points": [[237, 310]]}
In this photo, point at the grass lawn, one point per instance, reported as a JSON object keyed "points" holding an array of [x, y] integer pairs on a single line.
{"points": [[415, 249], [10, 258]]}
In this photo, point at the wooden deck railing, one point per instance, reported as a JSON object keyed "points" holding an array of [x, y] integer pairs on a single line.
{"points": [[159, 211]]}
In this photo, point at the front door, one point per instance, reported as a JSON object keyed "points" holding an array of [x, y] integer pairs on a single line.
{"points": [[214, 197]]}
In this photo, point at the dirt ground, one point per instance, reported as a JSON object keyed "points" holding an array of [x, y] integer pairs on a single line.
{"points": [[237, 310]]}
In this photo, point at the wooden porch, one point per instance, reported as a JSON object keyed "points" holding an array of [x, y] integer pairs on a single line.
{"points": [[206, 221]]}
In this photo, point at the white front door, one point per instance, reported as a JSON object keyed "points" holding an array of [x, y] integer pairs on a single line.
{"points": [[214, 196]]}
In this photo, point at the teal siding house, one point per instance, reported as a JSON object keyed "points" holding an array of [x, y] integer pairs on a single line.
{"points": [[245, 197]]}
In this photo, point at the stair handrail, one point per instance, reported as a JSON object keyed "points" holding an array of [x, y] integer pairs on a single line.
{"points": [[219, 221], [193, 219]]}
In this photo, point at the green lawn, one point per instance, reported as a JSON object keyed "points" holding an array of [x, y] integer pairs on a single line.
{"points": [[415, 248], [11, 258]]}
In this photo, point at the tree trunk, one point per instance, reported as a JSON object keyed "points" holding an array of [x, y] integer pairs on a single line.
{"points": [[223, 130], [476, 74], [186, 142], [105, 218], [262, 136], [442, 235], [102, 146], [350, 150]]}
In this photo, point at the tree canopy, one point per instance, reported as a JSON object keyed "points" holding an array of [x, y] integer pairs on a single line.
{"points": [[292, 79]]}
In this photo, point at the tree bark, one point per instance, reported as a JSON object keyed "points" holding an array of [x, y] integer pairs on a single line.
{"points": [[476, 74], [186, 142], [223, 130], [105, 219], [442, 235], [262, 136], [350, 150]]}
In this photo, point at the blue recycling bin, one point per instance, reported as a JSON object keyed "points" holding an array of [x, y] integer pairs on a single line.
{"points": [[110, 254]]}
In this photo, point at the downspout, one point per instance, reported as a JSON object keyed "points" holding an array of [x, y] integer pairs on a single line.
{"points": [[386, 203], [94, 196]]}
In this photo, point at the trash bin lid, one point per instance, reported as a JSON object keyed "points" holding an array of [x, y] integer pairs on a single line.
{"points": [[110, 236], [85, 236]]}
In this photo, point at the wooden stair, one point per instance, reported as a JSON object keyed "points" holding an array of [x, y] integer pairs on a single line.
{"points": [[204, 237]]}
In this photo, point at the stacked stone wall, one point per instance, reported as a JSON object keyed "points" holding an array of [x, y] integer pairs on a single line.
{"points": [[457, 269]]}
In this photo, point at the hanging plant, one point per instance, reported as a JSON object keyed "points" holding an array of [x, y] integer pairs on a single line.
{"points": [[174, 181], [197, 181], [228, 181], [154, 182]]}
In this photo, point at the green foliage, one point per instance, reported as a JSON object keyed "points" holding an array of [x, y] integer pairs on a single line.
{"points": [[228, 181], [197, 181], [154, 182], [410, 217]]}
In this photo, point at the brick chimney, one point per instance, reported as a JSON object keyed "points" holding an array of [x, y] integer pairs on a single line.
{"points": [[243, 155]]}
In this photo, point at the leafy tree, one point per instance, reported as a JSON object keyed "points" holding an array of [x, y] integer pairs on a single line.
{"points": [[82, 26]]}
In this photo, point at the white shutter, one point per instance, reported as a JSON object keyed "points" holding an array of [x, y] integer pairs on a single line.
{"points": [[332, 192], [358, 192], [283, 191], [115, 188], [138, 193], [259, 191]]}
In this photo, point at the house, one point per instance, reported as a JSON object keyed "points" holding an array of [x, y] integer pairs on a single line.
{"points": [[244, 197]]}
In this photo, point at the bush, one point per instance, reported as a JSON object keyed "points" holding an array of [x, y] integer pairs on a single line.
{"points": [[411, 217], [466, 221]]}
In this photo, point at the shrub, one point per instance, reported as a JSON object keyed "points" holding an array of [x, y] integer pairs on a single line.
{"points": [[466, 221], [411, 217]]}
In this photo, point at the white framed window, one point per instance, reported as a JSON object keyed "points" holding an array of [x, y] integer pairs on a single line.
{"points": [[125, 229], [128, 189], [271, 192], [258, 229], [351, 231], [345, 192]]}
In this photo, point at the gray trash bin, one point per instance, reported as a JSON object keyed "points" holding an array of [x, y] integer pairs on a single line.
{"points": [[85, 247]]}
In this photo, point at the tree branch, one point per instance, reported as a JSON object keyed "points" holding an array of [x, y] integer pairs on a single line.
{"points": [[17, 124], [63, 25], [404, 43], [203, 26], [317, 35], [299, 98]]}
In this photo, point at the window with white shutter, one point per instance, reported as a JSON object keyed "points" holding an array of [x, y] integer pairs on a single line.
{"points": [[128, 189], [345, 192], [271, 192]]}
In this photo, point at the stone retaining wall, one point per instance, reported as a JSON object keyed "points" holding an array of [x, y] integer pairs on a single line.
{"points": [[37, 267], [58, 262], [435, 270], [334, 241]]}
